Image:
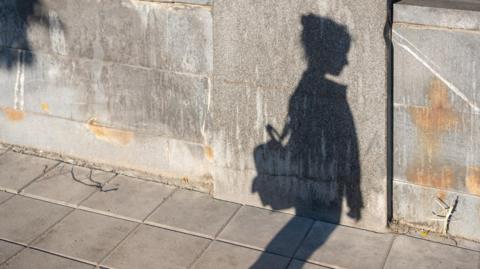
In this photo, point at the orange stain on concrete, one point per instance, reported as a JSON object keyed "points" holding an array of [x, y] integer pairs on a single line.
{"points": [[44, 107], [13, 114], [208, 151], [435, 119], [441, 177], [432, 122], [472, 180], [111, 135]]}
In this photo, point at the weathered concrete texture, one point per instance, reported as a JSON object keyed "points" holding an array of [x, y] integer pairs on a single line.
{"points": [[408, 252], [159, 35], [337, 249], [66, 184], [413, 205], [18, 170], [28, 218], [262, 229], [266, 54], [436, 112], [194, 212], [136, 100], [443, 13], [85, 236], [151, 247], [7, 250], [42, 260], [221, 255], [128, 197], [178, 162], [192, 2], [122, 96]]}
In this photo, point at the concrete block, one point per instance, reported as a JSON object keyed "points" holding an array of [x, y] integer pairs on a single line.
{"points": [[43, 260], [193, 212], [84, 236], [262, 229], [60, 186], [117, 95], [151, 247], [24, 219], [7, 250], [4, 196], [262, 72], [446, 13], [436, 105], [357, 248], [128, 197], [159, 35], [409, 252], [135, 153], [421, 203], [223, 255], [18, 170]]}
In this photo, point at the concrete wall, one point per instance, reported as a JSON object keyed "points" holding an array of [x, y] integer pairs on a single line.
{"points": [[437, 108], [318, 70], [191, 91], [123, 83]]}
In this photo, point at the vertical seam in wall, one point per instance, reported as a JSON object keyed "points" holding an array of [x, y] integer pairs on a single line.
{"points": [[390, 114]]}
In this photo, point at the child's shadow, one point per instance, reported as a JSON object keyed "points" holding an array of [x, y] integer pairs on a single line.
{"points": [[312, 165]]}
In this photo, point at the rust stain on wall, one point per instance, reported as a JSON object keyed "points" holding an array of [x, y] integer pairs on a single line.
{"points": [[472, 180], [111, 135], [13, 114], [44, 107], [432, 122], [208, 151]]}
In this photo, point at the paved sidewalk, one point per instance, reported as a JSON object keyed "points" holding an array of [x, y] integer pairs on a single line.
{"points": [[53, 215]]}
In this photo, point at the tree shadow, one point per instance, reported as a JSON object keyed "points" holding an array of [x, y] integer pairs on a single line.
{"points": [[16, 17], [312, 165]]}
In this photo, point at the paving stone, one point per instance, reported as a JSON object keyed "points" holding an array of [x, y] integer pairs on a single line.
{"points": [[85, 236], [296, 264], [24, 219], [59, 186], [30, 258], [18, 170], [223, 255], [129, 197], [152, 247], [4, 196], [408, 252], [194, 212], [259, 228], [7, 250], [334, 245]]}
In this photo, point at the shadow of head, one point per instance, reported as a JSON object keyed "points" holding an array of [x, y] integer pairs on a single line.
{"points": [[326, 44], [16, 17]]}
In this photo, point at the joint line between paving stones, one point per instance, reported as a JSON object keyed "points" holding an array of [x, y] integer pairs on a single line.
{"points": [[301, 243], [45, 171], [215, 237], [135, 228], [16, 253], [119, 244], [50, 227], [4, 201], [96, 189], [394, 237]]}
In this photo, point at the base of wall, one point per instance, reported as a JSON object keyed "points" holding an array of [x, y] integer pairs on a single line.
{"points": [[154, 158]]}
